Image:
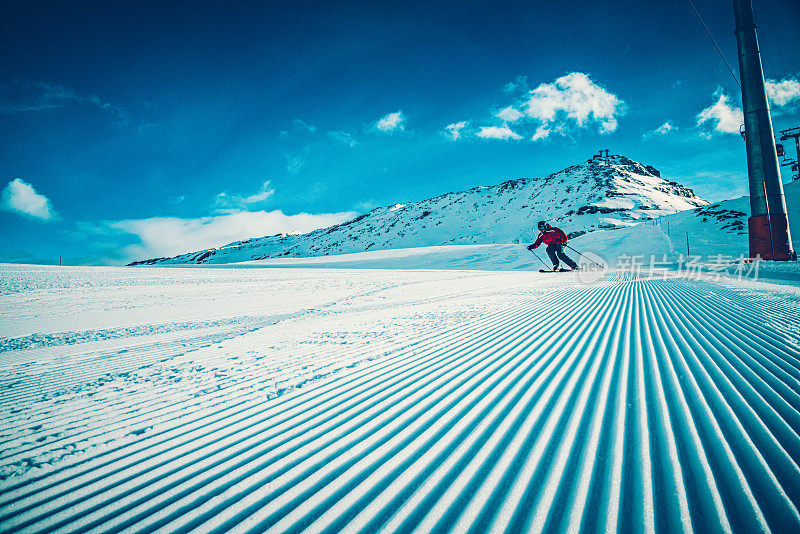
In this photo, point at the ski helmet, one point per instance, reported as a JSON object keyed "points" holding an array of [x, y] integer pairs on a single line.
{"points": [[542, 225]]}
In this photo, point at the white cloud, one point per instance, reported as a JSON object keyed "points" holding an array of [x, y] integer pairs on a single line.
{"points": [[570, 102], [509, 114], [226, 202], [725, 118], [392, 122], [169, 236], [783, 92], [722, 116], [665, 128], [497, 132], [574, 99], [343, 137], [20, 197], [608, 126], [542, 132], [454, 130], [261, 196]]}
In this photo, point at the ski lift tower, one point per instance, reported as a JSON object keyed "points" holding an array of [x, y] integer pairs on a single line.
{"points": [[768, 224]]}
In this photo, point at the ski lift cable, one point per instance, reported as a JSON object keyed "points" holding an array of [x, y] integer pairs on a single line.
{"points": [[715, 43], [768, 63]]}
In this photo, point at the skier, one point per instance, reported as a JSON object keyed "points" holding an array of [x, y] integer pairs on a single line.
{"points": [[555, 239]]}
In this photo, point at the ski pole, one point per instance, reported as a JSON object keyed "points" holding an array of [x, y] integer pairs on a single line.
{"points": [[579, 254], [540, 259]]}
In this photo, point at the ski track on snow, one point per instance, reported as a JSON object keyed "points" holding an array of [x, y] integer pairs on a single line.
{"points": [[670, 405]]}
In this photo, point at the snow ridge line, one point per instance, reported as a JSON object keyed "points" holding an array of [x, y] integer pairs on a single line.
{"points": [[425, 393], [346, 385], [418, 344], [55, 376], [38, 340], [685, 417], [518, 383], [237, 326]]}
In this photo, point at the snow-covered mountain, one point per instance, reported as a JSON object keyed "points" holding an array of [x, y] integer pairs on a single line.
{"points": [[603, 192], [715, 232], [710, 230]]}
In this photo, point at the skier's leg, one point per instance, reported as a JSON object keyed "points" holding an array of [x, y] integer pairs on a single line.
{"points": [[566, 259], [551, 251]]}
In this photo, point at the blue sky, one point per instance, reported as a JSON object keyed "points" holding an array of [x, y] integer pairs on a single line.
{"points": [[132, 130]]}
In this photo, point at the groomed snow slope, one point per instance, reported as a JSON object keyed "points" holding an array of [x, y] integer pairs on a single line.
{"points": [[400, 401]]}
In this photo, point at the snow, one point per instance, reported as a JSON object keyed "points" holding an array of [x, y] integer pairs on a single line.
{"points": [[247, 397], [712, 230], [464, 257], [434, 382], [717, 232], [584, 198]]}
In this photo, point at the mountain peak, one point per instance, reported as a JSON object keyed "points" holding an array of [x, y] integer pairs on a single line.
{"points": [[618, 162], [606, 191]]}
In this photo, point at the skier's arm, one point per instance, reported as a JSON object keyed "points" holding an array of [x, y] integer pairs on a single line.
{"points": [[537, 243]]}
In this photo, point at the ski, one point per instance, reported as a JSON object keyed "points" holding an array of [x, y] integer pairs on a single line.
{"points": [[558, 271]]}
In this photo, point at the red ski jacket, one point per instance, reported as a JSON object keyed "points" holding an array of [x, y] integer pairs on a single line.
{"points": [[551, 236]]}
